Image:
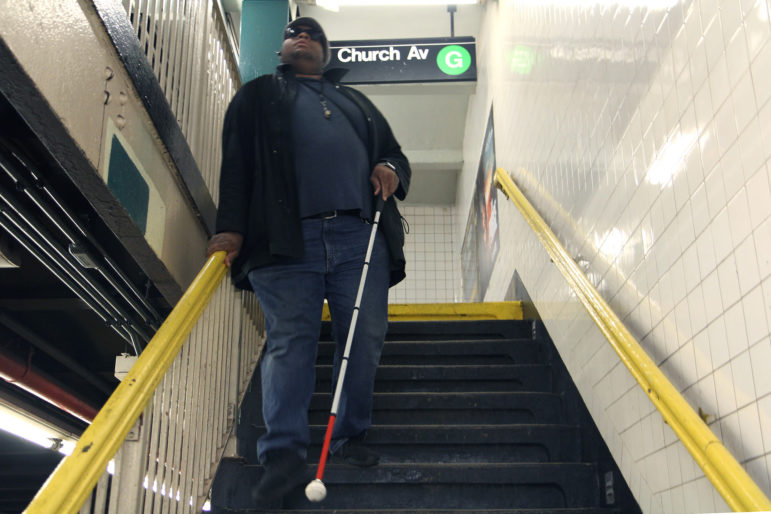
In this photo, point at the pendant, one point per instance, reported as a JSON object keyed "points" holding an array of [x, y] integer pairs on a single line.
{"points": [[327, 113]]}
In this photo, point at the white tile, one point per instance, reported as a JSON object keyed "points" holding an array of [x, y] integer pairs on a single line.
{"points": [[756, 27], [753, 149], [761, 74], [762, 238], [725, 126], [759, 197], [736, 330], [697, 310], [713, 40], [691, 264], [755, 315], [747, 265], [764, 413], [713, 305], [731, 435], [718, 343], [739, 217], [729, 281], [743, 98], [709, 147], [706, 249], [744, 385], [757, 469], [719, 84], [702, 104], [706, 501], [731, 20], [721, 235], [736, 51], [760, 357], [752, 437], [724, 388]]}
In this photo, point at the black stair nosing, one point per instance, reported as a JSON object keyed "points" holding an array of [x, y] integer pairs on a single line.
{"points": [[447, 371], [460, 400], [468, 328], [454, 346], [464, 327], [574, 510], [452, 377], [449, 434], [453, 473]]}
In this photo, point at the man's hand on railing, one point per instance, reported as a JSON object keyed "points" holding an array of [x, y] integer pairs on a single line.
{"points": [[230, 242]]}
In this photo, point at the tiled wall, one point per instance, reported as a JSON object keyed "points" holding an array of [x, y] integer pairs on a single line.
{"points": [[432, 258], [641, 131]]}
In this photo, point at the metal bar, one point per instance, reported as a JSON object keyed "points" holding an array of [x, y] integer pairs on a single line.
{"points": [[188, 446], [181, 432], [51, 266], [168, 85], [76, 475], [103, 485], [144, 309], [729, 478], [49, 246]]}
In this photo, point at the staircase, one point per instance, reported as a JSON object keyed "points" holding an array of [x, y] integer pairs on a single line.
{"points": [[472, 416]]}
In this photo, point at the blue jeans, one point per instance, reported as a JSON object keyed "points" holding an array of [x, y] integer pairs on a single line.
{"points": [[292, 294]]}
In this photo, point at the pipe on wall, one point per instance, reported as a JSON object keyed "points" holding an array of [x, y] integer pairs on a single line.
{"points": [[37, 382]]}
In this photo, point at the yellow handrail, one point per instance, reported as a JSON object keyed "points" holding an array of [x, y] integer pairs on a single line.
{"points": [[73, 480], [726, 474]]}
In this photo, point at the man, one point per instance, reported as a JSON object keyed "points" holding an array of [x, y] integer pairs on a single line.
{"points": [[303, 161]]}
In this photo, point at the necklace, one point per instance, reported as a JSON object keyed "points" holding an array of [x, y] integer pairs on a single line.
{"points": [[322, 98]]}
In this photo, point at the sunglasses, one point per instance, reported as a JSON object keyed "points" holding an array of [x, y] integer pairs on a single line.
{"points": [[292, 32]]}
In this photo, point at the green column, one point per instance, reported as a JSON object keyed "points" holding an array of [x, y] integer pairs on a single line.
{"points": [[262, 22]]}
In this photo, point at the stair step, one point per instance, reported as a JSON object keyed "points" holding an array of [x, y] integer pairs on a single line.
{"points": [[452, 408], [448, 352], [435, 378], [443, 486], [576, 510], [459, 330], [467, 443]]}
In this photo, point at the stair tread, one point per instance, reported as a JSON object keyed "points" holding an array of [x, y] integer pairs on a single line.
{"points": [[466, 473]]}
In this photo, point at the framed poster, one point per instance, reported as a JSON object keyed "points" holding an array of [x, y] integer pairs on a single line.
{"points": [[481, 242]]}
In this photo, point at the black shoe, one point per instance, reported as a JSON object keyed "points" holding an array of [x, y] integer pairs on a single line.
{"points": [[284, 470], [354, 453]]}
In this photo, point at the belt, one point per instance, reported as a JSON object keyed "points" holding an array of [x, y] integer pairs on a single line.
{"points": [[328, 215]]}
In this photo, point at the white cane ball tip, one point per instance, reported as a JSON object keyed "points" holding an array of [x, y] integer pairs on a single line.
{"points": [[315, 490]]}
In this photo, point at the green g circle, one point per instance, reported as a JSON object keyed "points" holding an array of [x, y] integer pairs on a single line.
{"points": [[453, 60]]}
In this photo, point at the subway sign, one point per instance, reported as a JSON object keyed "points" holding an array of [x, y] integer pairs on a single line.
{"points": [[405, 60]]}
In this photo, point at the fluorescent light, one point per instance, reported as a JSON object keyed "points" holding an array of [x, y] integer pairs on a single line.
{"points": [[35, 430]]}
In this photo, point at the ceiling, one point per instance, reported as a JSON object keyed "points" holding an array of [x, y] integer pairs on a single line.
{"points": [[427, 119]]}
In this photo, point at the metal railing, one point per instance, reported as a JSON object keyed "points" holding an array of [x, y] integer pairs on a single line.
{"points": [[721, 468], [191, 54], [170, 418]]}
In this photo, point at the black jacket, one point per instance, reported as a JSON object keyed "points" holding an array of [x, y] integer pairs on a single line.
{"points": [[258, 188]]}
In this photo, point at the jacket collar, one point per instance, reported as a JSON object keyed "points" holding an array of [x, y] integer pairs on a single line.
{"points": [[333, 75]]}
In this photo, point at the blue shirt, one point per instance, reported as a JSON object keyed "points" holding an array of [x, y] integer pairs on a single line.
{"points": [[331, 160]]}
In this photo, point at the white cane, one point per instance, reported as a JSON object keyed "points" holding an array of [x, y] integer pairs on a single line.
{"points": [[315, 491]]}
